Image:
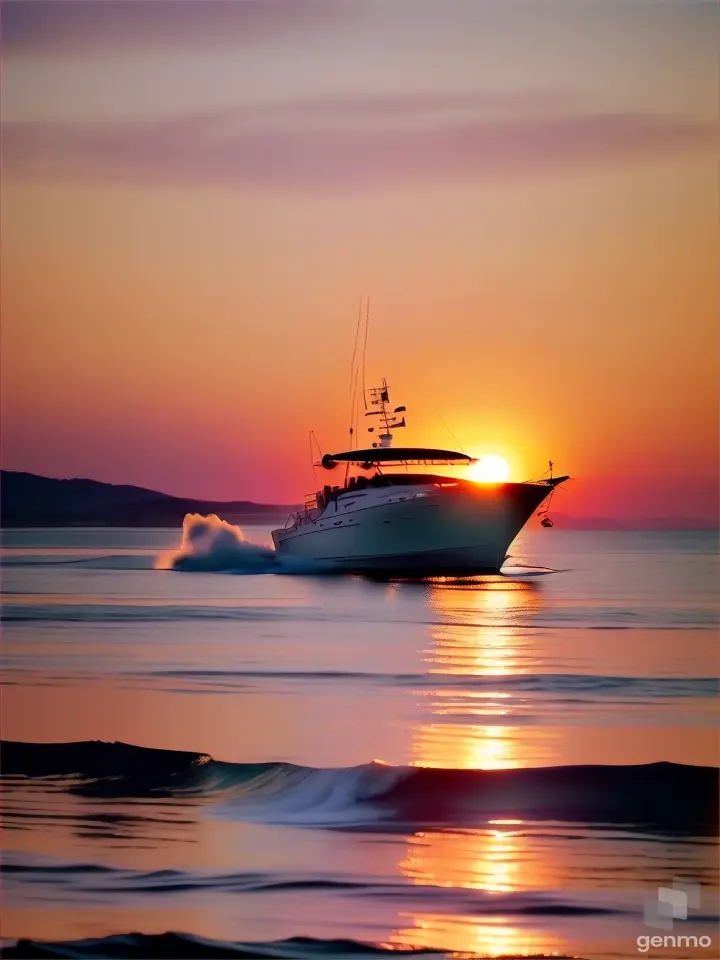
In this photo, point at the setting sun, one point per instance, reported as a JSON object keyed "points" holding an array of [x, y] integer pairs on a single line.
{"points": [[490, 469]]}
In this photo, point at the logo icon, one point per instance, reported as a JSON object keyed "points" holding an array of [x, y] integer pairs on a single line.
{"points": [[672, 903]]}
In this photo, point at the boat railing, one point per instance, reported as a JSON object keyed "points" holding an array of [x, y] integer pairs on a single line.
{"points": [[296, 520]]}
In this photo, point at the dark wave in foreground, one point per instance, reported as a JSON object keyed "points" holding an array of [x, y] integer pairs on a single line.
{"points": [[376, 795], [142, 946], [89, 879]]}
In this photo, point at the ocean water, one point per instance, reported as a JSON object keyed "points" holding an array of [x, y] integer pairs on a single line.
{"points": [[506, 765]]}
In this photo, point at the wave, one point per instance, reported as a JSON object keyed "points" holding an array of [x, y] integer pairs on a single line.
{"points": [[143, 946], [137, 561], [108, 611], [378, 796], [516, 571], [95, 880], [557, 683]]}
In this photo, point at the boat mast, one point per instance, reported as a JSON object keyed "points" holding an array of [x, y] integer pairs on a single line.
{"points": [[380, 397]]}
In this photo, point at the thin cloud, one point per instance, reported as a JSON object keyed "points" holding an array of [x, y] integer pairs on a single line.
{"points": [[74, 28], [347, 144]]}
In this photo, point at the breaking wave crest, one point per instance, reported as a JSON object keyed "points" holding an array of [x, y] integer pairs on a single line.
{"points": [[379, 796]]}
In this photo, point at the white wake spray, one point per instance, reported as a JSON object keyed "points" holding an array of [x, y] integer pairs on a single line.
{"points": [[211, 544]]}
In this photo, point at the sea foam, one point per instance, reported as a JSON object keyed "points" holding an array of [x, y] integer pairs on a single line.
{"points": [[209, 543]]}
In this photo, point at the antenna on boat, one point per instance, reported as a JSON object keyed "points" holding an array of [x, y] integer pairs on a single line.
{"points": [[364, 353], [355, 373], [380, 397], [450, 431], [311, 437]]}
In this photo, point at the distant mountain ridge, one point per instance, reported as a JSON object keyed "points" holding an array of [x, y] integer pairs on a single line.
{"points": [[28, 500]]}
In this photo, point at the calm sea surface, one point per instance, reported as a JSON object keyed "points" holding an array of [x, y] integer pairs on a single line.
{"points": [[318, 698]]}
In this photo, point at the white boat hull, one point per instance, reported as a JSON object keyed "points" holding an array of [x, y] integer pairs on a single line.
{"points": [[428, 530]]}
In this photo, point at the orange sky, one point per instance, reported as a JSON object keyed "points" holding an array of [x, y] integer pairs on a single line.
{"points": [[194, 200]]}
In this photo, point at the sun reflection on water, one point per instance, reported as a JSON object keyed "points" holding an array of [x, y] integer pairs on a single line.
{"points": [[493, 861], [477, 636]]}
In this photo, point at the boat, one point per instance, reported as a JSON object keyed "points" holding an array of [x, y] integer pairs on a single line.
{"points": [[391, 516]]}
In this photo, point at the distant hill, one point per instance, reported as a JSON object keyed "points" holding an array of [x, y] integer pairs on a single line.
{"points": [[27, 500]]}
